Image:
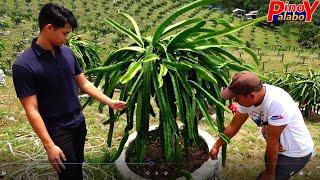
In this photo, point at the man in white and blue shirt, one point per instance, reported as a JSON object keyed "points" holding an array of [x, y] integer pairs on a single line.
{"points": [[289, 143]]}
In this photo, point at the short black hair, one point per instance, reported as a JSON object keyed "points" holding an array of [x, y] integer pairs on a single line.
{"points": [[56, 15]]}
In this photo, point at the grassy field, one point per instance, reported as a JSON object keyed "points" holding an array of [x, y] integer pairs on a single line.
{"points": [[148, 14], [21, 152]]}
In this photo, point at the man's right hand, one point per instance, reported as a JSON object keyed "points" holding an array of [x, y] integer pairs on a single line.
{"points": [[54, 153], [214, 152], [56, 156]]}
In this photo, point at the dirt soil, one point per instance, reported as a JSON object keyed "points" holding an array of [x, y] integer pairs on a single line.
{"points": [[155, 166]]}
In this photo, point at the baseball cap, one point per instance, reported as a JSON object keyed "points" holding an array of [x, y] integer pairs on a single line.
{"points": [[243, 82]]}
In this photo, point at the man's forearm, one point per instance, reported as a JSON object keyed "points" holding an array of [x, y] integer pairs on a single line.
{"points": [[233, 127], [95, 93], [272, 157], [228, 131], [40, 129]]}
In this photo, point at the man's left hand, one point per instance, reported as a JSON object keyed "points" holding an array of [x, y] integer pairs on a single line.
{"points": [[117, 104], [264, 175]]}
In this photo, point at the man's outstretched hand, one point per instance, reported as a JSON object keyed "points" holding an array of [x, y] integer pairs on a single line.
{"points": [[214, 152], [117, 104]]}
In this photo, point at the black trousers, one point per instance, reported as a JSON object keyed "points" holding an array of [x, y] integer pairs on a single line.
{"points": [[71, 141], [289, 166]]}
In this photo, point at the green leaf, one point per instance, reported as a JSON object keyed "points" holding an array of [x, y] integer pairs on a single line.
{"points": [[238, 27], [178, 97], [180, 76], [225, 45], [175, 15], [110, 68], [213, 62], [239, 67], [181, 36], [207, 116], [78, 54], [124, 30], [185, 83], [179, 25], [123, 54], [110, 86], [151, 57], [162, 48], [139, 111], [143, 112], [131, 48], [87, 53], [140, 127], [163, 72], [233, 38], [192, 126], [208, 95], [111, 128], [229, 55], [223, 22], [166, 118], [134, 89], [178, 65], [134, 23], [253, 55], [2, 46], [121, 146], [205, 74], [230, 45], [132, 71]]}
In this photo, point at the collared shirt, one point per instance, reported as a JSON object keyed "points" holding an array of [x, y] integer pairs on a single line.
{"points": [[52, 80]]}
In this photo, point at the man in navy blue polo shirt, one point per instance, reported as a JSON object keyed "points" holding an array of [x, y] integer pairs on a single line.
{"points": [[46, 78]]}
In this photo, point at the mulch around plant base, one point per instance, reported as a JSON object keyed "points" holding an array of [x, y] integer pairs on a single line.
{"points": [[155, 167]]}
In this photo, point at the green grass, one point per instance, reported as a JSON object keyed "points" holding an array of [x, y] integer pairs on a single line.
{"points": [[26, 150], [246, 154], [246, 151], [91, 25], [244, 157]]}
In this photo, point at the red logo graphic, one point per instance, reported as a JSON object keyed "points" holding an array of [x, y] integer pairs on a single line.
{"points": [[276, 117], [283, 11]]}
